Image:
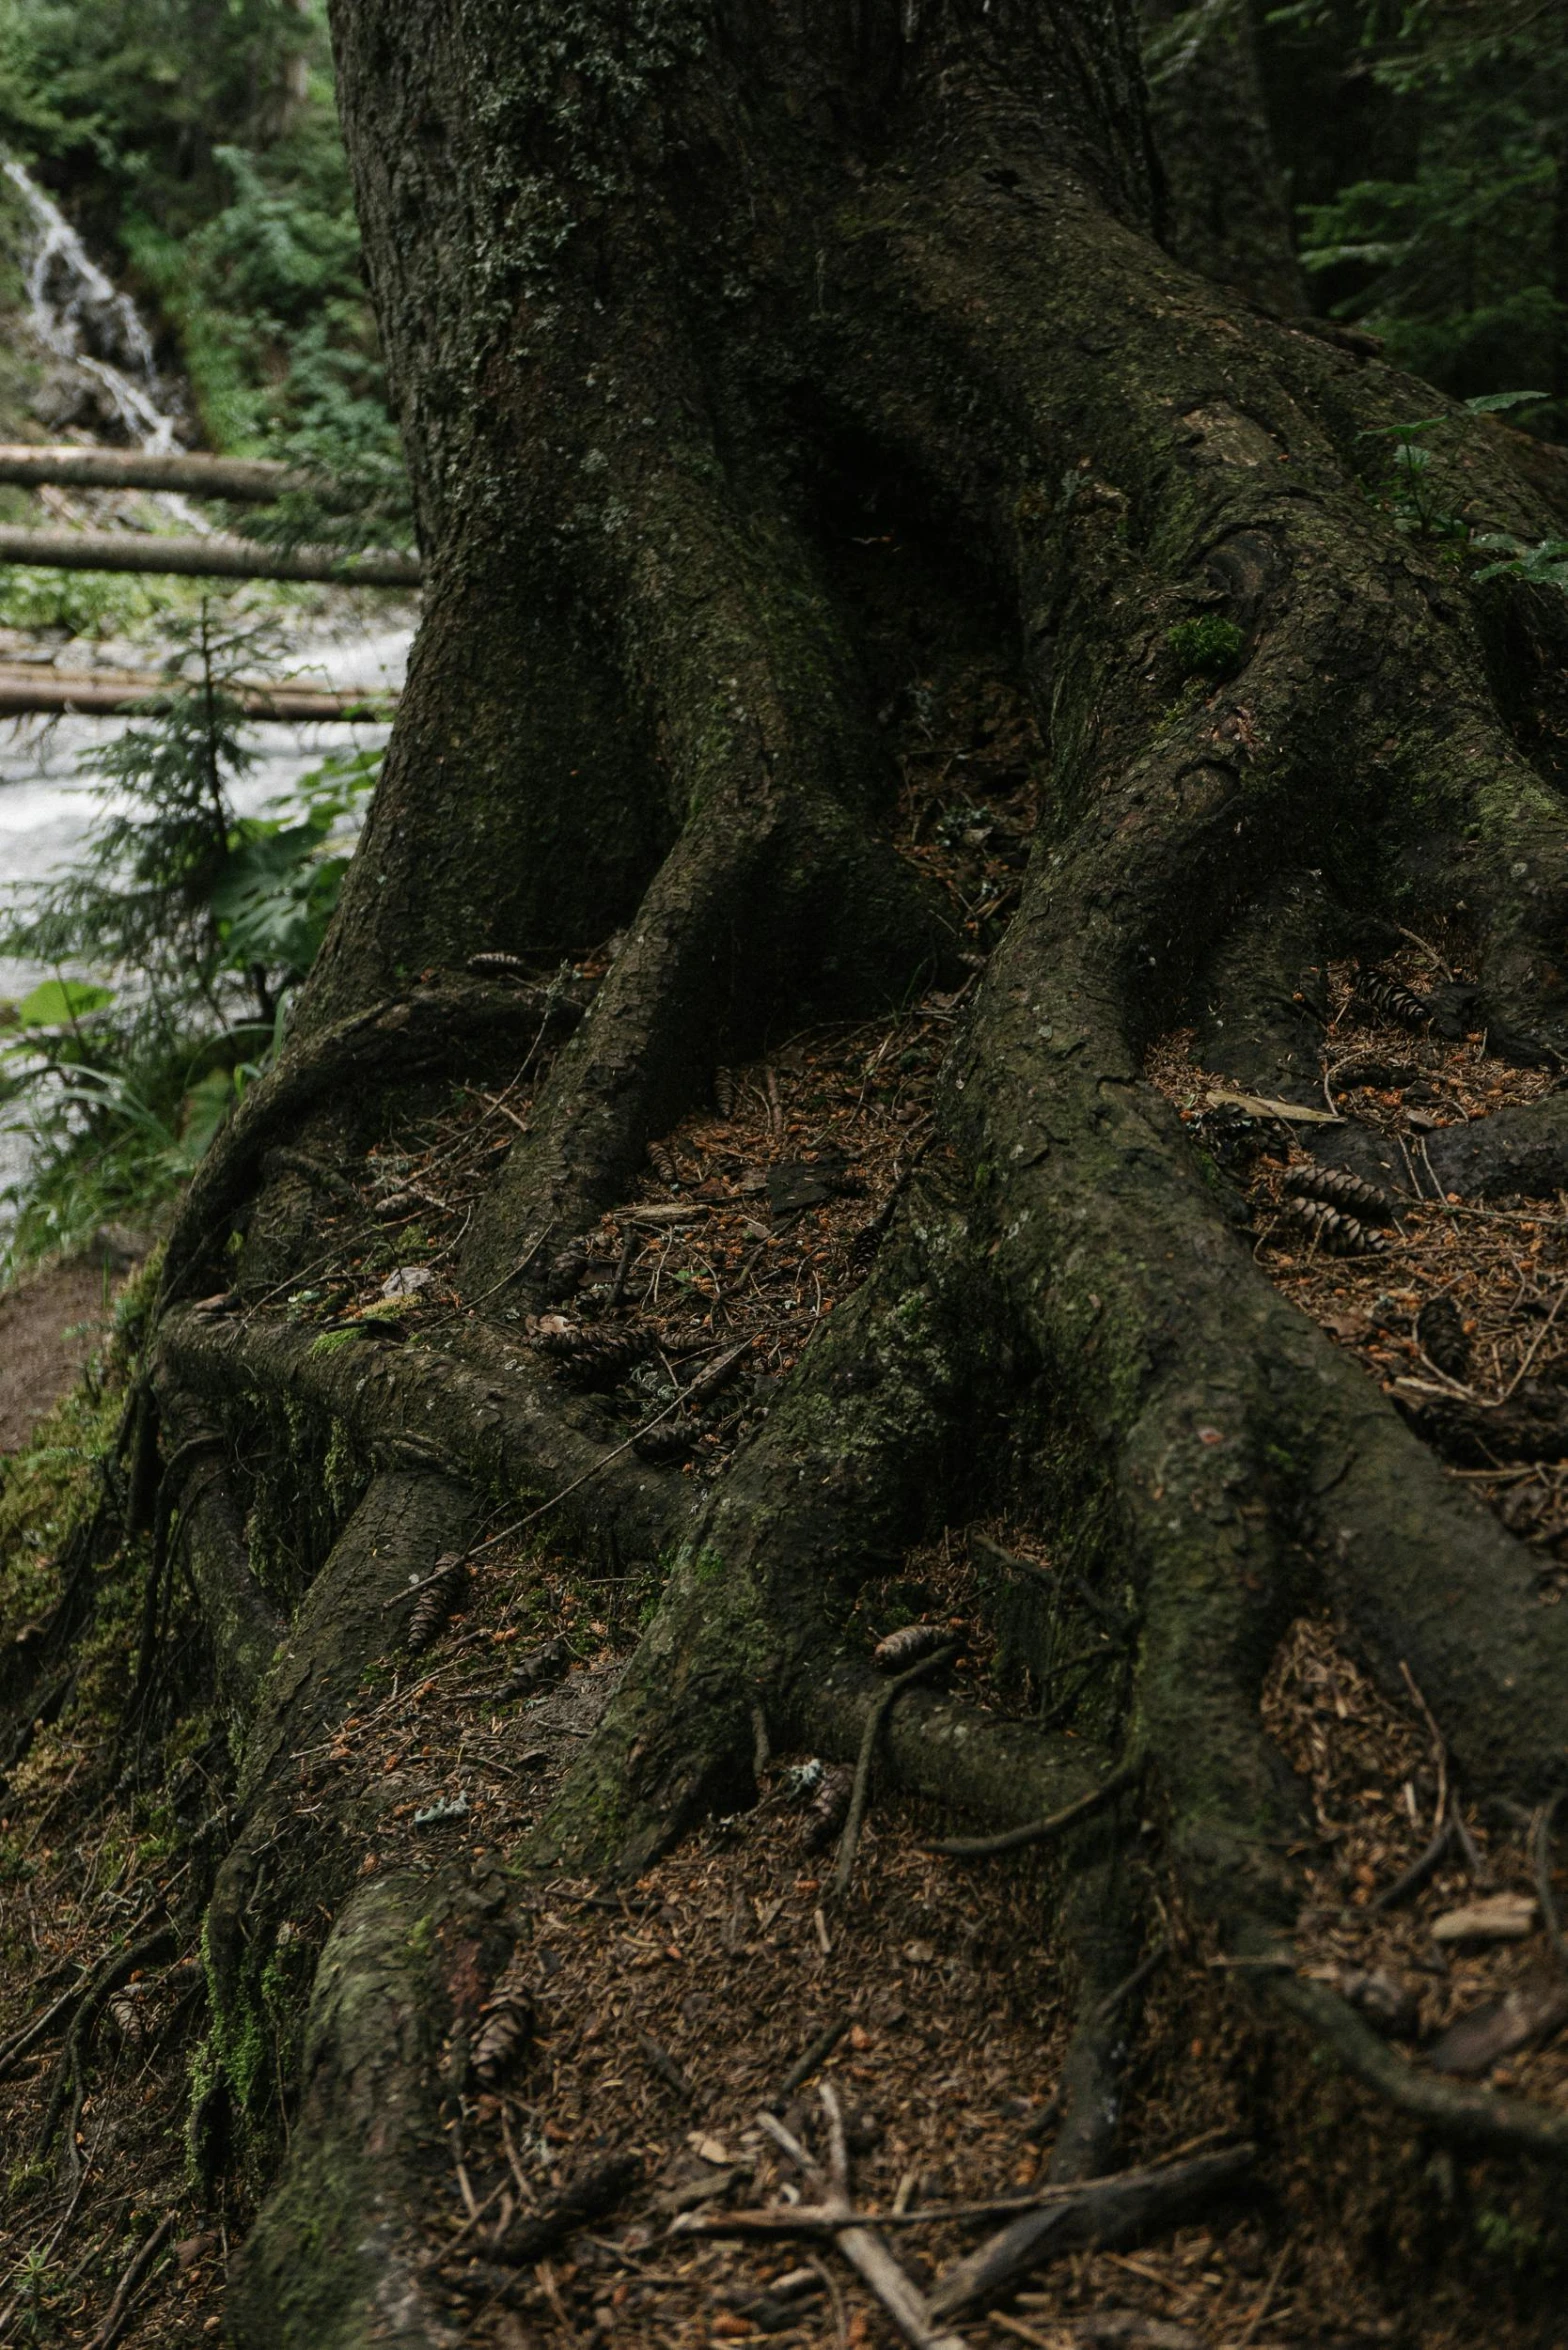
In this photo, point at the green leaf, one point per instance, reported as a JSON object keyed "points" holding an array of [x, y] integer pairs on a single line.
{"points": [[1488, 403], [59, 1002]]}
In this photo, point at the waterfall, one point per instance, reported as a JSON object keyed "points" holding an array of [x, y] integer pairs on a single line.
{"points": [[79, 318]]}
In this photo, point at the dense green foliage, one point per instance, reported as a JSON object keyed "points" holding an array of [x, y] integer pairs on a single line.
{"points": [[196, 923], [199, 138], [1456, 250]]}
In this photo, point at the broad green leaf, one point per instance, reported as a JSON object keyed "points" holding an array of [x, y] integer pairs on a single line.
{"points": [[57, 1002]]}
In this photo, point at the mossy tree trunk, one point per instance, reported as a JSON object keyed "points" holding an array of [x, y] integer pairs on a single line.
{"points": [[663, 290]]}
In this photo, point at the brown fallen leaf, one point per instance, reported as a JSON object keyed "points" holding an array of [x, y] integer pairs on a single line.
{"points": [[1260, 1105]]}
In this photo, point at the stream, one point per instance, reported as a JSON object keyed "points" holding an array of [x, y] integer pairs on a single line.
{"points": [[47, 805]]}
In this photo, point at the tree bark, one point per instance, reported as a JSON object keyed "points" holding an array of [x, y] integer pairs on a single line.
{"points": [[661, 299]]}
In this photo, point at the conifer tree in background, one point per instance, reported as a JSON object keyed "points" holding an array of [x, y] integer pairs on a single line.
{"points": [[1455, 249]]}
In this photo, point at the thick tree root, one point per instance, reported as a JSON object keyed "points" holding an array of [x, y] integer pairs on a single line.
{"points": [[1479, 2121], [243, 1626], [435, 1027], [334, 2262], [1060, 1264], [474, 1412]]}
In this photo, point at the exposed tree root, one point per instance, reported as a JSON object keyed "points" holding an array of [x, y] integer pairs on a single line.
{"points": [[336, 2261], [1481, 2120], [1062, 1318]]}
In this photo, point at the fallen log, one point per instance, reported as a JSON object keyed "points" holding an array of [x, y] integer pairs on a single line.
{"points": [[56, 692], [1107, 2212], [203, 558], [258, 478]]}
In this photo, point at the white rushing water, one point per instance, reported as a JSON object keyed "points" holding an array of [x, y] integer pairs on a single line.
{"points": [[77, 316], [47, 804]]}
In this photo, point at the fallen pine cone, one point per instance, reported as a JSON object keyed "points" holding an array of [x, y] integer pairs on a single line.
{"points": [[569, 1270], [663, 1162], [863, 1248], [127, 2016], [436, 1602], [507, 2028], [908, 1646], [1383, 998], [1440, 1332], [1337, 1235], [671, 1441], [536, 1671], [718, 1374], [724, 1092], [826, 1812], [593, 1358], [1341, 1189], [498, 966]]}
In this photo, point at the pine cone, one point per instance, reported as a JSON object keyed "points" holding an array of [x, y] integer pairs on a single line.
{"points": [[718, 1374], [536, 1670], [907, 1647], [724, 1092], [863, 1248], [593, 1358], [436, 1602], [570, 1268], [670, 1441], [664, 1164], [127, 2015], [1379, 997], [1336, 1234], [1440, 1332], [1342, 1190], [828, 1808], [507, 2028]]}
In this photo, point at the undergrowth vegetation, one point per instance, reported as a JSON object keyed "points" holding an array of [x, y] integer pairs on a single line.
{"points": [[199, 148], [1452, 250], [176, 942]]}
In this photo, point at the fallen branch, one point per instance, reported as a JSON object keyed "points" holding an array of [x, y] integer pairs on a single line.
{"points": [[119, 2310], [1041, 1831], [1418, 1872], [14, 2049], [1110, 2211], [68, 2087], [597, 2192], [1479, 2118], [828, 2219], [209, 558], [250, 478], [865, 2251], [55, 692], [816, 2052]]}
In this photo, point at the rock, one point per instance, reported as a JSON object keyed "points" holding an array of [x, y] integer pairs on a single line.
{"points": [[407, 1281]]}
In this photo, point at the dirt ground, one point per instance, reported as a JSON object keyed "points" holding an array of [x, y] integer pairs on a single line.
{"points": [[49, 1325]]}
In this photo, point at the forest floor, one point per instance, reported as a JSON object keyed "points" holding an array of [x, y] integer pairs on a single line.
{"points": [[659, 2024]]}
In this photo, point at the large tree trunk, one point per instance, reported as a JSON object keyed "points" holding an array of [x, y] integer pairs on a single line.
{"points": [[667, 297]]}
